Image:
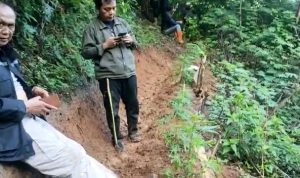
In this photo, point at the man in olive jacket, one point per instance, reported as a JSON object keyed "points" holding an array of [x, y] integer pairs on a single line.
{"points": [[109, 41]]}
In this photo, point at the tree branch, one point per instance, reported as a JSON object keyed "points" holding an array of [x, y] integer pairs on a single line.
{"points": [[282, 102], [298, 13]]}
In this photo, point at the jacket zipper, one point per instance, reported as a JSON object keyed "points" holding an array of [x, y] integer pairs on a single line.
{"points": [[124, 64], [122, 58]]}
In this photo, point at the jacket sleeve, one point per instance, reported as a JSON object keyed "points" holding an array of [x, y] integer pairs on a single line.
{"points": [[12, 110], [170, 20], [91, 50], [135, 43]]}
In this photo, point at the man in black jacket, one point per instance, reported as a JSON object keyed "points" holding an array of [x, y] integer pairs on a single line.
{"points": [[23, 135]]}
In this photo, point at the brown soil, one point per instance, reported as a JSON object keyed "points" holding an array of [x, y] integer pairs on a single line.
{"points": [[84, 120], [230, 172]]}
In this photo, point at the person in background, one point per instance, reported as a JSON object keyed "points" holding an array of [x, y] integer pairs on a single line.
{"points": [[168, 24], [108, 40], [24, 136]]}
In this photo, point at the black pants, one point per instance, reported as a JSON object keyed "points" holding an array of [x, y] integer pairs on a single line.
{"points": [[125, 89]]}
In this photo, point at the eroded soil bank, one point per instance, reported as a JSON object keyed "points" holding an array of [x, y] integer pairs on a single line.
{"points": [[83, 119]]}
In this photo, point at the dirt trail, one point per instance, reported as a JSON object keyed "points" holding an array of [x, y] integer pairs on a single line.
{"points": [[84, 120]]}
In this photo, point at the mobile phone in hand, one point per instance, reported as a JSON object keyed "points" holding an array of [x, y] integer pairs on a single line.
{"points": [[122, 34], [118, 39], [52, 100]]}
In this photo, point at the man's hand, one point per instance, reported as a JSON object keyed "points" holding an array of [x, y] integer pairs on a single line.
{"points": [[127, 39], [37, 107], [180, 22], [111, 42], [38, 91]]}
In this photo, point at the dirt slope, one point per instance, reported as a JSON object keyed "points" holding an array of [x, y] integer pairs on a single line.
{"points": [[85, 120], [82, 118]]}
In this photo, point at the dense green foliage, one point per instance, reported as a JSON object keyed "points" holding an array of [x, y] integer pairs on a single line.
{"points": [[49, 39], [250, 133], [185, 137], [254, 51], [187, 132]]}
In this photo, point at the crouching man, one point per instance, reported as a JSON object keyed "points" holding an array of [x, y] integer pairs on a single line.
{"points": [[26, 137]]}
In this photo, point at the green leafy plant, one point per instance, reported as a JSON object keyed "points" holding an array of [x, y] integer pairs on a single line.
{"points": [[250, 134], [192, 53], [254, 47], [185, 137]]}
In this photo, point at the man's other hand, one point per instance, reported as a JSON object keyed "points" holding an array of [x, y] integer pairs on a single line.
{"points": [[38, 107], [111, 42], [38, 91], [127, 39], [180, 22]]}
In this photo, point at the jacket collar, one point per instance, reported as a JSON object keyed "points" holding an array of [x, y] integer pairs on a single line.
{"points": [[9, 52], [6, 55], [4, 51], [102, 24], [9, 57]]}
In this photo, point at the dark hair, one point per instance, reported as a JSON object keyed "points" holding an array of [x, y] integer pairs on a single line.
{"points": [[99, 3]]}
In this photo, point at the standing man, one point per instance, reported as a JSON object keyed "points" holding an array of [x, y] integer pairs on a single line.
{"points": [[109, 41], [24, 136]]}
